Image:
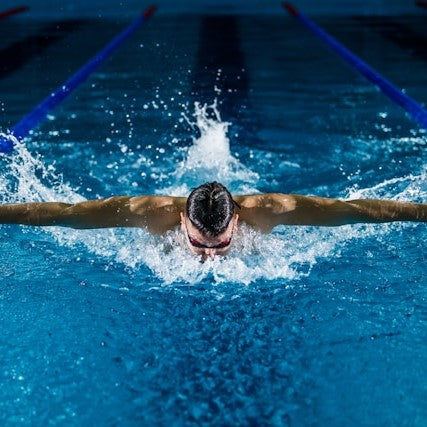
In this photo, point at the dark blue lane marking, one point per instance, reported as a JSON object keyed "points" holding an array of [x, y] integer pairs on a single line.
{"points": [[415, 110], [219, 49], [19, 53], [399, 33], [39, 114]]}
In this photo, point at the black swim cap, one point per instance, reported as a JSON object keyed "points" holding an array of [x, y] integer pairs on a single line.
{"points": [[210, 208]]}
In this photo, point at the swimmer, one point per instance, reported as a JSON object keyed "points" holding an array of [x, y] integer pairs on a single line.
{"points": [[209, 216]]}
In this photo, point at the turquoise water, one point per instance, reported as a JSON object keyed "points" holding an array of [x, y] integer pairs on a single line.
{"points": [[306, 326]]}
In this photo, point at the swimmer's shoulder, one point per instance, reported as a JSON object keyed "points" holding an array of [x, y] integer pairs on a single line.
{"points": [[138, 204], [276, 202], [262, 210], [157, 213]]}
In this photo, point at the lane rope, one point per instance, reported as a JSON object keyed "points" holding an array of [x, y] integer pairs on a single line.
{"points": [[40, 112], [415, 109]]}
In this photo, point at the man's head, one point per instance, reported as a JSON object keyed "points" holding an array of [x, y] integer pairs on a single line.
{"points": [[210, 220]]}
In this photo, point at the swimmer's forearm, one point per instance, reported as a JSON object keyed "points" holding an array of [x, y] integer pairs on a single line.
{"points": [[331, 212], [48, 213], [101, 213], [388, 210]]}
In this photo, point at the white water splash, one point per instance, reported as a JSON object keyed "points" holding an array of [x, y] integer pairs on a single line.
{"points": [[289, 253], [209, 158], [409, 188], [25, 178]]}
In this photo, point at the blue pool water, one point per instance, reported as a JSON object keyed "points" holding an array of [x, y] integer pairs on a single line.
{"points": [[305, 326]]}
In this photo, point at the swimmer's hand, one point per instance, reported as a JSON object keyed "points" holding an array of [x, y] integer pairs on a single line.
{"points": [[157, 213], [265, 211]]}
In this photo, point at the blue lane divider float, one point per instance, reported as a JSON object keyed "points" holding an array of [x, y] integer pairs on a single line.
{"points": [[40, 112], [415, 110]]}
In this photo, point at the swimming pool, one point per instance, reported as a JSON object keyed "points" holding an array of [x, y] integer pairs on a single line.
{"points": [[306, 326]]}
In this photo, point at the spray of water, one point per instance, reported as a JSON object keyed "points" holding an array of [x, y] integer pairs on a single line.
{"points": [[289, 253], [209, 157], [25, 178], [409, 188]]}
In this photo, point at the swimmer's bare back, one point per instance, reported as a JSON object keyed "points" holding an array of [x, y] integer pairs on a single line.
{"points": [[161, 213]]}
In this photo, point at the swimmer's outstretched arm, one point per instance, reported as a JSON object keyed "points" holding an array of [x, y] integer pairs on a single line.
{"points": [[266, 211], [157, 213]]}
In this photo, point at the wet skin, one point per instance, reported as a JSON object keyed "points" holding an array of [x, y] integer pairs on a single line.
{"points": [[212, 245], [159, 214]]}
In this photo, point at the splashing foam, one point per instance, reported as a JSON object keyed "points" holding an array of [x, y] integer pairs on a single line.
{"points": [[289, 253], [26, 179], [209, 158], [410, 188]]}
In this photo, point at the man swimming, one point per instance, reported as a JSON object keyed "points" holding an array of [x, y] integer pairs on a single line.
{"points": [[210, 215]]}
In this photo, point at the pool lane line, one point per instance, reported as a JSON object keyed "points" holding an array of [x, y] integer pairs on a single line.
{"points": [[40, 112], [13, 11], [415, 109]]}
